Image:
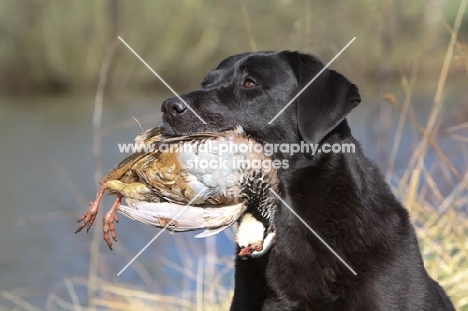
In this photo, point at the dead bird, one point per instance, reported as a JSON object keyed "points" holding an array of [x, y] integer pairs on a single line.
{"points": [[208, 170]]}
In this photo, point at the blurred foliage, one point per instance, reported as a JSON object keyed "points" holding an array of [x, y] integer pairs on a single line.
{"points": [[50, 46]]}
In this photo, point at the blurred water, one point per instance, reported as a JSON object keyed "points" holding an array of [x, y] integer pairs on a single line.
{"points": [[47, 178]]}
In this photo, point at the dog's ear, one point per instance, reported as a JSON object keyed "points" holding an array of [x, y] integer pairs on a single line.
{"points": [[324, 103]]}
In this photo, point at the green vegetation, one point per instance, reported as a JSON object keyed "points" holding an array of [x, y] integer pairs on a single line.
{"points": [[49, 46]]}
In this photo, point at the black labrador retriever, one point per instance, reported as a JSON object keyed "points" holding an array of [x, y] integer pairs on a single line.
{"points": [[342, 196]]}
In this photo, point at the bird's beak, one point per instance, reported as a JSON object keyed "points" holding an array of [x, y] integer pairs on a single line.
{"points": [[244, 251], [248, 250]]}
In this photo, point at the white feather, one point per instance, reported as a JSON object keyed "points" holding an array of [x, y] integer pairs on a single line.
{"points": [[267, 244], [250, 231]]}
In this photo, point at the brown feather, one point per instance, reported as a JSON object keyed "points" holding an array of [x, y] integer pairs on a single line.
{"points": [[158, 176]]}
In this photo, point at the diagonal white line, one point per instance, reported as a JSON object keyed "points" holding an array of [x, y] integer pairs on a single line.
{"points": [[162, 80], [159, 233], [316, 76], [315, 233]]}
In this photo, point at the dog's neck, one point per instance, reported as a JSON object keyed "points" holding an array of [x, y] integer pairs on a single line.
{"points": [[342, 130], [341, 134]]}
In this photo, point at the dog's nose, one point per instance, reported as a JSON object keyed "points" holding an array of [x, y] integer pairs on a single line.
{"points": [[173, 106]]}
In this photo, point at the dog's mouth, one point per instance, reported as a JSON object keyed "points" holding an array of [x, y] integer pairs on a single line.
{"points": [[178, 130], [173, 129]]}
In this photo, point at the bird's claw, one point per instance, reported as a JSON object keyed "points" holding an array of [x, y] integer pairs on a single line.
{"points": [[108, 222], [109, 227], [88, 218]]}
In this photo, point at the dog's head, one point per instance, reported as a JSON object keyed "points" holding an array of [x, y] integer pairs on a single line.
{"points": [[251, 89]]}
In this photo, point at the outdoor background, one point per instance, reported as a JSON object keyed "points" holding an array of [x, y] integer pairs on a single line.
{"points": [[409, 59]]}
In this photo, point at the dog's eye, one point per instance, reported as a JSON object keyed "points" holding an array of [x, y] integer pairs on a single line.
{"points": [[249, 83]]}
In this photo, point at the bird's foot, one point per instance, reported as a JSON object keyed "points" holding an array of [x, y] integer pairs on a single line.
{"points": [[90, 215], [109, 219]]}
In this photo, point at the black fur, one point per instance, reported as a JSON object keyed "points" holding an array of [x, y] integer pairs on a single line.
{"points": [[342, 196]]}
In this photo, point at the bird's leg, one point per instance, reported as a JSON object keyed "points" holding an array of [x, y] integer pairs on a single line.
{"points": [[109, 219], [90, 215]]}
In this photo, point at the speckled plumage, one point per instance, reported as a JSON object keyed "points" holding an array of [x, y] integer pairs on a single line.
{"points": [[164, 174]]}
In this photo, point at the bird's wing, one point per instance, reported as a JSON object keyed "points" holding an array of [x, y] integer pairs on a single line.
{"points": [[188, 217], [169, 167], [179, 171], [123, 171], [210, 232]]}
